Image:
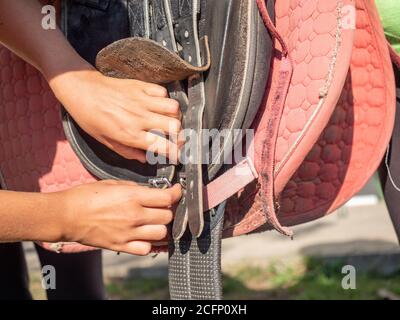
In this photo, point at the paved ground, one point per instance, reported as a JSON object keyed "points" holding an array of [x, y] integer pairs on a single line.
{"points": [[353, 231]]}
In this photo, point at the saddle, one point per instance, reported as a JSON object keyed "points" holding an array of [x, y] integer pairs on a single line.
{"points": [[310, 82]]}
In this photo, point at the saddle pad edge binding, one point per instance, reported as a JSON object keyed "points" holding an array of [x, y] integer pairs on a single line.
{"points": [[344, 46], [353, 182], [329, 96]]}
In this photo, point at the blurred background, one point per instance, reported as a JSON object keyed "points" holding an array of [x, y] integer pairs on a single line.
{"points": [[271, 266]]}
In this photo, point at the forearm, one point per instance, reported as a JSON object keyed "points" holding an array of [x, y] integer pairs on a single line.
{"points": [[22, 32], [31, 216]]}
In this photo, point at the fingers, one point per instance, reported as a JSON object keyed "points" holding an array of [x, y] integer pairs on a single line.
{"points": [[157, 144], [119, 183], [148, 88], [129, 152], [139, 248], [156, 100], [151, 139], [157, 198], [155, 90], [156, 216], [168, 125], [150, 232], [164, 106]]}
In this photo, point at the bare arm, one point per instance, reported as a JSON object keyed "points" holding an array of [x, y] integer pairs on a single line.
{"points": [[48, 50], [119, 216], [30, 216], [137, 107]]}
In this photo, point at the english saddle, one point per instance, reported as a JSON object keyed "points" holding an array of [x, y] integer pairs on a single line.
{"points": [[311, 79]]}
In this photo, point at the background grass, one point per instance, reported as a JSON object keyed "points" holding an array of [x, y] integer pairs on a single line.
{"points": [[306, 279]]}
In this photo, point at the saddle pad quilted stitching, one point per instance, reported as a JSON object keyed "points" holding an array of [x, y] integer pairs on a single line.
{"points": [[320, 59], [34, 153], [309, 29], [352, 145], [316, 71]]}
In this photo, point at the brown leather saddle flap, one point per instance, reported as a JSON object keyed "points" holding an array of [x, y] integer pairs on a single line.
{"points": [[147, 60]]}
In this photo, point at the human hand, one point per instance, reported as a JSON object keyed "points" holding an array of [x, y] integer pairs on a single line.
{"points": [[122, 114], [117, 215]]}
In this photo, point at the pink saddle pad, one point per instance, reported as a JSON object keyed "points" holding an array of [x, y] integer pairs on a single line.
{"points": [[338, 115]]}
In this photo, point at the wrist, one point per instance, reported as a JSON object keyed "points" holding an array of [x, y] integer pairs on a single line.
{"points": [[55, 223], [59, 57], [43, 216], [67, 86], [63, 222]]}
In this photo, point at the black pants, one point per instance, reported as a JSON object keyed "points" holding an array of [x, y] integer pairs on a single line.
{"points": [[78, 276]]}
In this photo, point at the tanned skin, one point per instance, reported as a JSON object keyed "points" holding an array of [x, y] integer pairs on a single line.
{"points": [[120, 216]]}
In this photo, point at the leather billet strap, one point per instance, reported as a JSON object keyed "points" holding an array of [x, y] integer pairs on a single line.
{"points": [[141, 26], [183, 16]]}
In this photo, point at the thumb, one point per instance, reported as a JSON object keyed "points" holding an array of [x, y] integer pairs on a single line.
{"points": [[175, 192]]}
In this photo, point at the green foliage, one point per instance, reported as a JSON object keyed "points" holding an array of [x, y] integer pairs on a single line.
{"points": [[311, 278]]}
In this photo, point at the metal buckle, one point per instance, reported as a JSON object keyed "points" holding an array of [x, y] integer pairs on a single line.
{"points": [[160, 183]]}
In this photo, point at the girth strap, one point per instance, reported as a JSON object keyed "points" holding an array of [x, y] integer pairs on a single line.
{"points": [[195, 264]]}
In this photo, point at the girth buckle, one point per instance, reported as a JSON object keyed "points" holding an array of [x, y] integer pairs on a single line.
{"points": [[160, 183]]}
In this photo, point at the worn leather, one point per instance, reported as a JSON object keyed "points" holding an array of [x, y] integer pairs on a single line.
{"points": [[146, 60]]}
